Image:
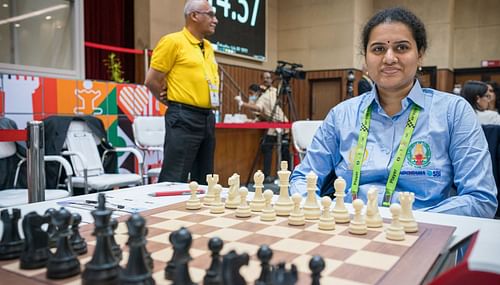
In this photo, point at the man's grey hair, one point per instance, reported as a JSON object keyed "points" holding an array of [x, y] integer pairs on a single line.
{"points": [[192, 6]]}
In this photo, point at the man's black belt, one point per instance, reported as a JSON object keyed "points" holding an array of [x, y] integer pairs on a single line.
{"points": [[205, 111]]}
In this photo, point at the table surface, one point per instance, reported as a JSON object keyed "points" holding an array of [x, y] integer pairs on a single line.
{"points": [[484, 255]]}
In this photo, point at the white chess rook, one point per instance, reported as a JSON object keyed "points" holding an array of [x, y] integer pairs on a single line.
{"points": [[212, 179], [406, 200], [284, 204], [312, 211]]}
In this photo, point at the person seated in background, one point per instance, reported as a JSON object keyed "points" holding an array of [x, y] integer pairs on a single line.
{"points": [[479, 96], [268, 107], [365, 84], [495, 100], [401, 137]]}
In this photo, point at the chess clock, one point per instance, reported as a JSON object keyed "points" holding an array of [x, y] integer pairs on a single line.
{"points": [[241, 30]]}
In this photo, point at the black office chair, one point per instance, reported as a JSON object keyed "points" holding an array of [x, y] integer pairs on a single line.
{"points": [[492, 133]]}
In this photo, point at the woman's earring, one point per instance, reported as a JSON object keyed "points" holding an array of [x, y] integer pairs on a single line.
{"points": [[420, 68]]}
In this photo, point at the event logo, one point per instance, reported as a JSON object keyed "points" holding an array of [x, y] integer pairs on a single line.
{"points": [[352, 154], [419, 154]]}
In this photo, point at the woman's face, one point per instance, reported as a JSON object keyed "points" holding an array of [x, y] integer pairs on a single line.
{"points": [[484, 100], [392, 57], [493, 98]]}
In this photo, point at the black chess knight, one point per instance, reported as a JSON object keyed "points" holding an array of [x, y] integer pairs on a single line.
{"points": [[36, 250]]}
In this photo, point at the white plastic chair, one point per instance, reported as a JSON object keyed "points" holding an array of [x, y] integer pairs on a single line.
{"points": [[87, 165], [149, 135], [15, 197], [303, 133]]}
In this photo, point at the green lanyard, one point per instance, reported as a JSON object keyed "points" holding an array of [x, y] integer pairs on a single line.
{"points": [[400, 155]]}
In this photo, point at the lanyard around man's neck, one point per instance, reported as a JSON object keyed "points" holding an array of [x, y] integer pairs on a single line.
{"points": [[400, 154]]}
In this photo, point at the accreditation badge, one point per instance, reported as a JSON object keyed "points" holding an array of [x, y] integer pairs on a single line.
{"points": [[214, 94]]}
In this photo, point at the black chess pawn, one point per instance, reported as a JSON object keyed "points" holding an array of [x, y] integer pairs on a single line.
{"points": [[115, 247], [231, 264], [77, 242], [103, 268], [264, 254], [316, 264], [64, 262], [51, 228], [11, 244], [214, 272], [137, 270], [36, 250], [177, 268]]}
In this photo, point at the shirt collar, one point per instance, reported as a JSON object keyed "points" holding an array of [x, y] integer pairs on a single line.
{"points": [[416, 96], [192, 39]]}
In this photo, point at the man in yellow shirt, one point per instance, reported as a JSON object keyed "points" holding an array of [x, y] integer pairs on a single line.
{"points": [[183, 75]]}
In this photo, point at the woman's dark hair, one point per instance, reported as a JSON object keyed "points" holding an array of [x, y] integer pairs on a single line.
{"points": [[471, 90], [496, 90], [401, 15]]}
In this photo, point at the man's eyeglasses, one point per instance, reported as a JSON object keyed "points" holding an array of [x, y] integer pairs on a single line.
{"points": [[211, 14]]}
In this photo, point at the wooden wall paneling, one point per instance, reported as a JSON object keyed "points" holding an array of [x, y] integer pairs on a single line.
{"points": [[445, 80]]}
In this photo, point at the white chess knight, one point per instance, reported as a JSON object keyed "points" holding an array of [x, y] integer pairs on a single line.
{"points": [[284, 204], [406, 200], [258, 202], [312, 211], [194, 203], [233, 197], [340, 212], [373, 218], [212, 180]]}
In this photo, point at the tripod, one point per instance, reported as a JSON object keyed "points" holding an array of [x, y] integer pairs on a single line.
{"points": [[283, 96]]}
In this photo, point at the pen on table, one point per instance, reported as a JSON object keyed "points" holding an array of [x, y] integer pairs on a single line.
{"points": [[174, 193], [95, 202]]}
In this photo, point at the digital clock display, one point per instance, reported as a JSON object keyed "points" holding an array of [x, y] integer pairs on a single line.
{"points": [[241, 30]]}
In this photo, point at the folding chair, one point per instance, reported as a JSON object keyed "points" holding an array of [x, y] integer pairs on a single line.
{"points": [[149, 135], [14, 197], [87, 165], [303, 133]]}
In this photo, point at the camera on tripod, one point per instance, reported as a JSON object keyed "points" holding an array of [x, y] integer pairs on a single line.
{"points": [[287, 70]]}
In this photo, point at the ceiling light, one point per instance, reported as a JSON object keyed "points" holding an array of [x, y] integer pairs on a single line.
{"points": [[5, 5], [17, 25], [48, 18]]}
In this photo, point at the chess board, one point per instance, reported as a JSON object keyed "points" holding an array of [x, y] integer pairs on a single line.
{"points": [[350, 259]]}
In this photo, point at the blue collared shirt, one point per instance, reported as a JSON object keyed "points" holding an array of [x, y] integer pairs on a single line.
{"points": [[448, 153]]}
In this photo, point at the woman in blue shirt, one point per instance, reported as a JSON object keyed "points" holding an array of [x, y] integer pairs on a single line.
{"points": [[403, 137]]}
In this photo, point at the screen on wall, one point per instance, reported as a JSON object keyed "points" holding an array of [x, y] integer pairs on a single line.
{"points": [[241, 30]]}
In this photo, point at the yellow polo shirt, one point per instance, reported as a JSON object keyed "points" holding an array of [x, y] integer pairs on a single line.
{"points": [[188, 72]]}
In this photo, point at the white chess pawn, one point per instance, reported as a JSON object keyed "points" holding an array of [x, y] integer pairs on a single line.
{"points": [[243, 210], [326, 221], [268, 213], [340, 212], [406, 200], [297, 217], [217, 206], [395, 231], [194, 203], [373, 218], [312, 210], [258, 202], [358, 224], [284, 204], [233, 198], [212, 179]]}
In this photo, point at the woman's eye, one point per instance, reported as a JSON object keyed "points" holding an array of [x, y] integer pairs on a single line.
{"points": [[402, 48], [378, 49]]}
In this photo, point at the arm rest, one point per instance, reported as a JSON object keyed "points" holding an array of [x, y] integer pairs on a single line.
{"points": [[134, 151], [80, 156], [62, 161]]}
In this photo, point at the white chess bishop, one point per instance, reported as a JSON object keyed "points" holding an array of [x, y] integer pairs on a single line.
{"points": [[312, 211], [258, 202]]}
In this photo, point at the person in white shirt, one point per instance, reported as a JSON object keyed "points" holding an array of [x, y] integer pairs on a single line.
{"points": [[479, 96]]}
